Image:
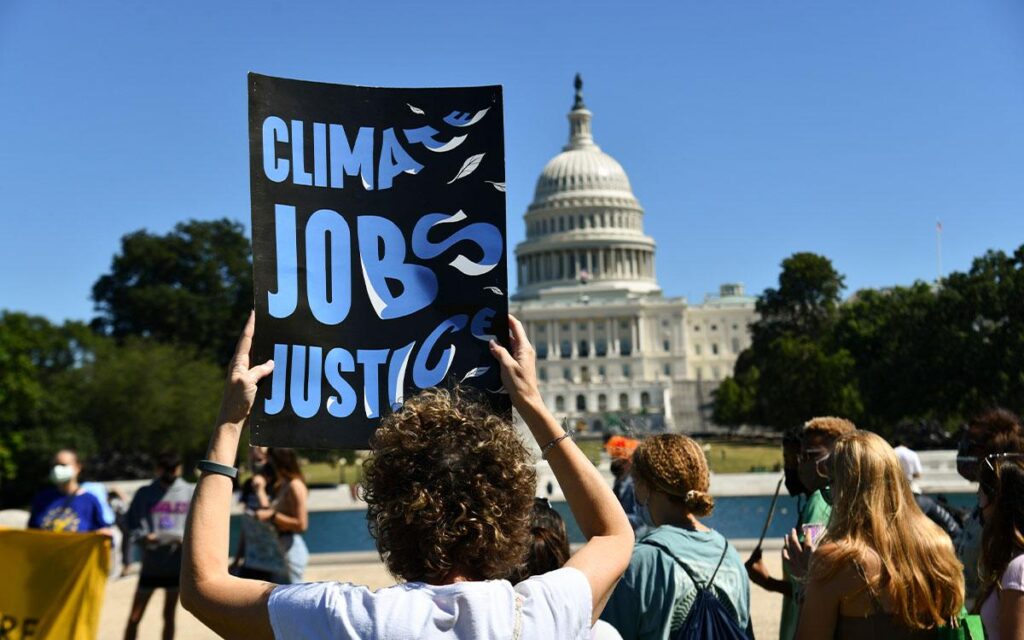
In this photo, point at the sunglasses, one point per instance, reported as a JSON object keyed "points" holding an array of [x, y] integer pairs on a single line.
{"points": [[814, 455], [993, 459]]}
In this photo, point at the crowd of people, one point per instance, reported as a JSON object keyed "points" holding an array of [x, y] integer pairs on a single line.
{"points": [[450, 487]]}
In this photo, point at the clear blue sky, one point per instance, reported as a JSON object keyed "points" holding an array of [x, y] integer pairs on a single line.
{"points": [[750, 130]]}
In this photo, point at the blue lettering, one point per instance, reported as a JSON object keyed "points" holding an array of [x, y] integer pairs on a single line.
{"points": [[484, 235], [480, 327], [319, 154], [282, 303], [394, 160], [425, 377], [425, 136], [353, 160], [299, 173], [339, 360], [371, 359], [279, 382], [274, 130], [324, 229], [396, 375], [305, 396], [419, 284]]}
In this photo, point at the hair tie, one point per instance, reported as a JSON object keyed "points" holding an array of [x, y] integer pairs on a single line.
{"points": [[692, 495]]}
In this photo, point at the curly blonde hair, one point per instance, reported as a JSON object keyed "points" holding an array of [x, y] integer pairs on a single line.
{"points": [[675, 465], [449, 486]]}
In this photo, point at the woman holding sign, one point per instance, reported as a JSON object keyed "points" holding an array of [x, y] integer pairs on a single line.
{"points": [[449, 490]]}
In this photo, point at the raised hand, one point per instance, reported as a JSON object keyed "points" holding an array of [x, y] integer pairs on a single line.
{"points": [[240, 388], [797, 554], [519, 368]]}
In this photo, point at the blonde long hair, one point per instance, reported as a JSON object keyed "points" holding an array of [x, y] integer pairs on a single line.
{"points": [[874, 511]]}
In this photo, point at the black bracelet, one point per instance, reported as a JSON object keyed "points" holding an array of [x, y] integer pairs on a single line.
{"points": [[210, 466]]}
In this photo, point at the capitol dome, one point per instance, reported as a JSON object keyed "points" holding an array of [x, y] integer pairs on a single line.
{"points": [[584, 228]]}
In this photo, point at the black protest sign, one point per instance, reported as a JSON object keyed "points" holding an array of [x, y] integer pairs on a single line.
{"points": [[378, 232]]}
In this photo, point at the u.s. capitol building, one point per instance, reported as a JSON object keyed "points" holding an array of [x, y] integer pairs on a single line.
{"points": [[611, 348]]}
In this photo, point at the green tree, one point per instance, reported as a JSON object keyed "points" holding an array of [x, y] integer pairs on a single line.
{"points": [[791, 370], [148, 396], [805, 302], [40, 377], [192, 286]]}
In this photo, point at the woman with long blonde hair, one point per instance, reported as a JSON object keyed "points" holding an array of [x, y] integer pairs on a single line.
{"points": [[882, 569]]}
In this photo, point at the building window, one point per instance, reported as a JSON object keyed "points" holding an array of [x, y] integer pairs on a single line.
{"points": [[559, 403], [735, 327], [735, 345], [542, 351], [584, 349], [696, 349], [623, 402], [601, 347], [664, 322], [696, 328], [626, 372], [541, 329], [565, 328], [625, 347], [714, 327], [543, 374], [600, 371], [585, 374], [581, 402], [602, 402], [714, 348], [667, 369], [624, 325], [645, 400], [567, 374], [566, 349], [666, 345]]}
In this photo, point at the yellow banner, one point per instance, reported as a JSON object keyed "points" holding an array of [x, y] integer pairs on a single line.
{"points": [[52, 585]]}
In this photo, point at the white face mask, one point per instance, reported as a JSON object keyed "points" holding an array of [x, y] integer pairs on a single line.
{"points": [[61, 474]]}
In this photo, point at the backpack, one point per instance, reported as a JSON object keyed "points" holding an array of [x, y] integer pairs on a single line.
{"points": [[709, 618]]}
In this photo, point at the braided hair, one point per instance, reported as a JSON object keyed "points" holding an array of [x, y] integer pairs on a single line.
{"points": [[675, 465]]}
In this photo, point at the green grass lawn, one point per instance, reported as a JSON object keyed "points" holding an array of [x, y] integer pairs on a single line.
{"points": [[723, 457]]}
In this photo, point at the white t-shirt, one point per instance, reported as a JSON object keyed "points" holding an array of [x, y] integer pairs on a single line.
{"points": [[1012, 580], [554, 605], [910, 462]]}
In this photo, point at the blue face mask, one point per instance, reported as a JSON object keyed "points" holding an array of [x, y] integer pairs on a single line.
{"points": [[643, 511]]}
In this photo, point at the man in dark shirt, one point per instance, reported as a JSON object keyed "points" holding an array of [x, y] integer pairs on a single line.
{"points": [[66, 507], [156, 520]]}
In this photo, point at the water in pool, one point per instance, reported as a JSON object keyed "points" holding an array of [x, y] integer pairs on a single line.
{"points": [[734, 517]]}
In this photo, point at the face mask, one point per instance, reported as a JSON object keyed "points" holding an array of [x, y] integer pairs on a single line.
{"points": [[809, 476], [826, 494], [61, 474], [794, 485]]}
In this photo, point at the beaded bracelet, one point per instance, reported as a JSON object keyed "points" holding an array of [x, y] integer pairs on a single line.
{"points": [[544, 450]]}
